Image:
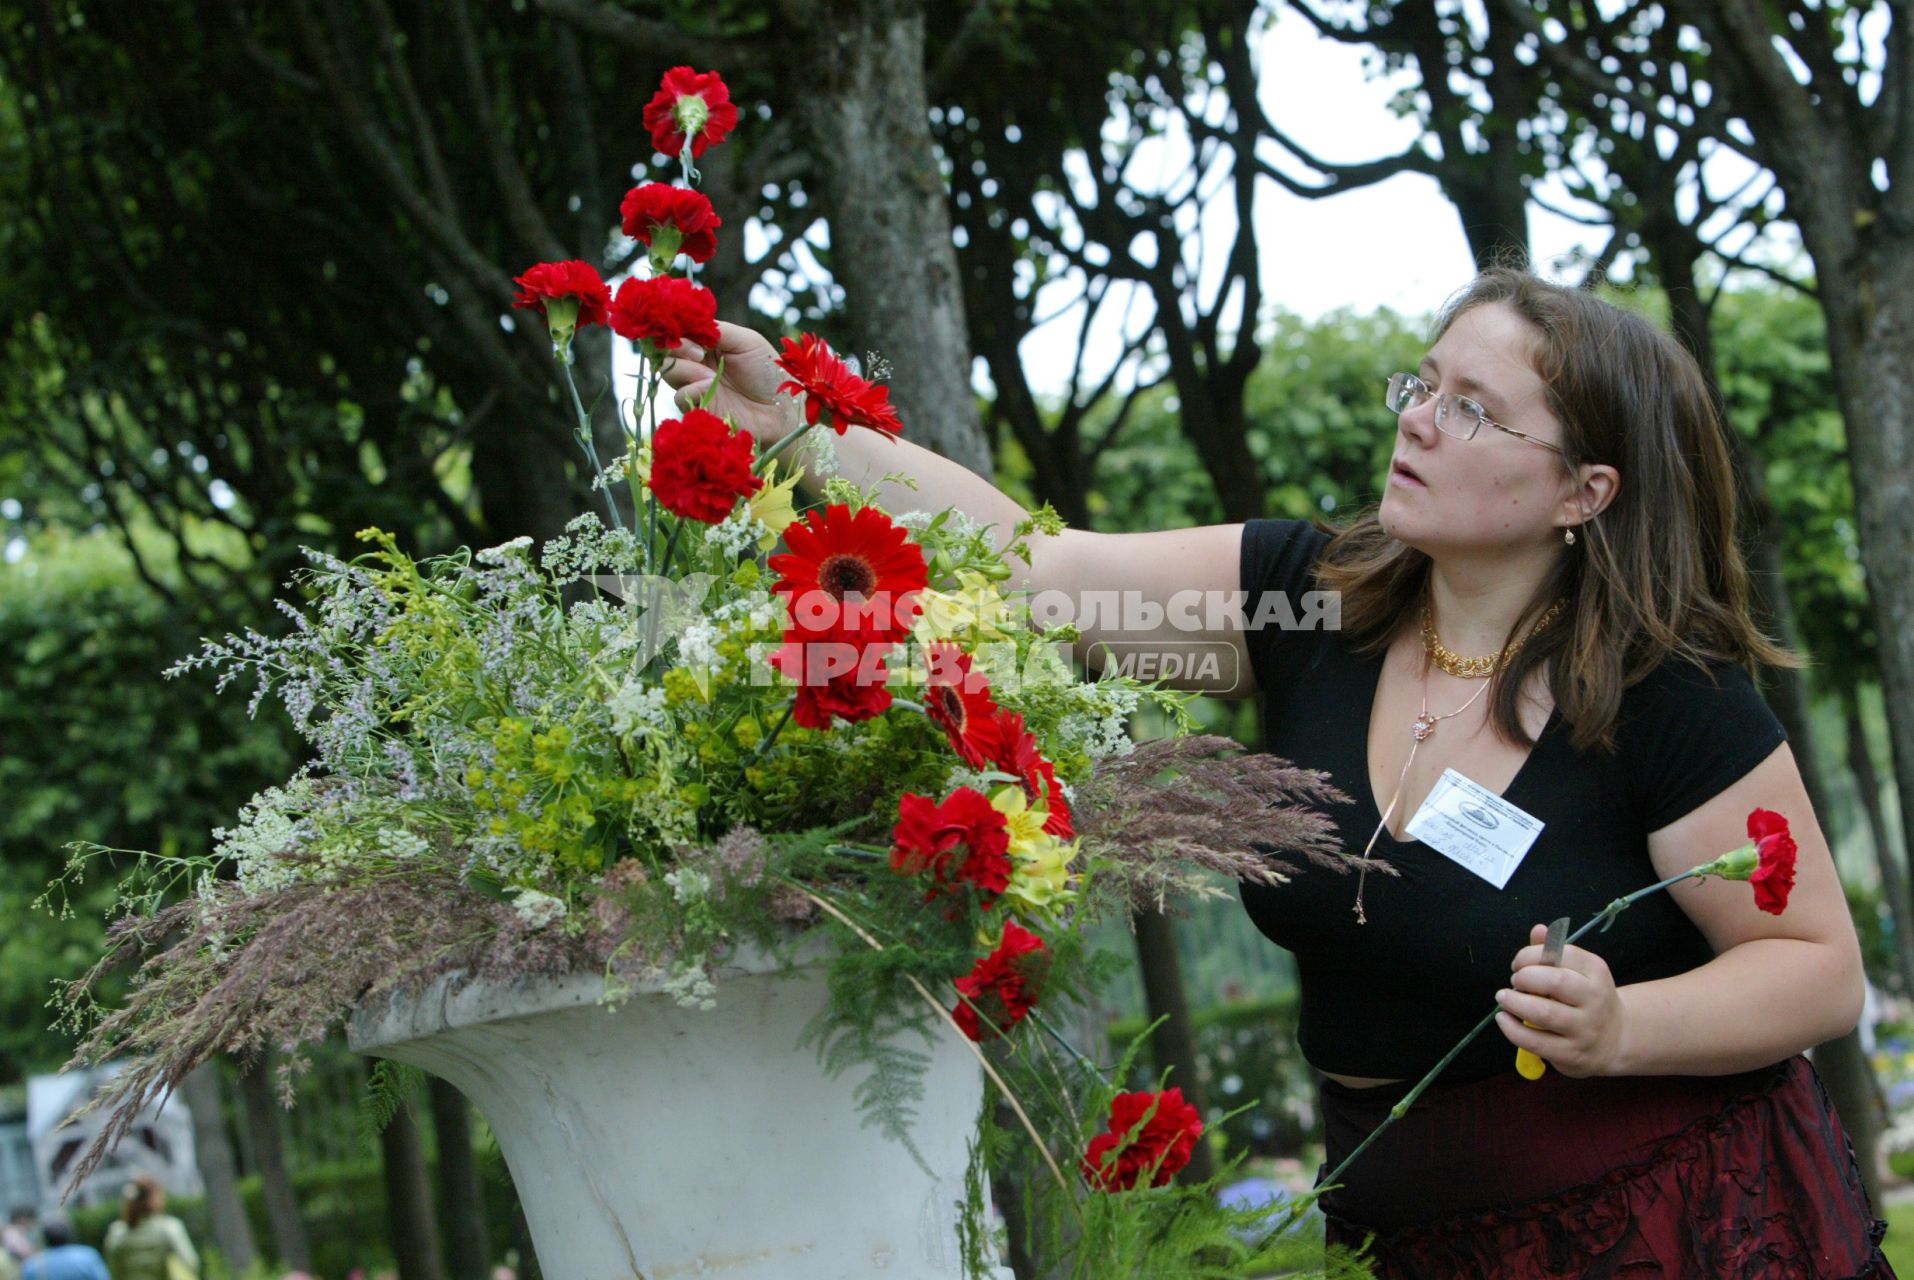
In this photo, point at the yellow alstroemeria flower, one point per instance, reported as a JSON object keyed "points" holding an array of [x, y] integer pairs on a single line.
{"points": [[1039, 861], [772, 506], [975, 606], [641, 464]]}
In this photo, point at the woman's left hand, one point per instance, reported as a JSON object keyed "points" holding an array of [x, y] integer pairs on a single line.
{"points": [[1574, 1012]]}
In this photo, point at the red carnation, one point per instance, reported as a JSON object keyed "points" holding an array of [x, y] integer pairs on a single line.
{"points": [[851, 576], [664, 311], [959, 699], [1000, 988], [672, 220], [1115, 1160], [701, 467], [834, 678], [1773, 879], [850, 698], [827, 383], [693, 104], [569, 293], [1013, 748], [964, 840]]}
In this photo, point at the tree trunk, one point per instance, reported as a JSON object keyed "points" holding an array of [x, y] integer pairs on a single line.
{"points": [[269, 1154], [1891, 858], [1172, 1045], [868, 116], [408, 1199], [204, 1091], [461, 1195], [1851, 1087]]}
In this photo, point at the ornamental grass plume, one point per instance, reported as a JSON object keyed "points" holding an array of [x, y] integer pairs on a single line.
{"points": [[1166, 814]]}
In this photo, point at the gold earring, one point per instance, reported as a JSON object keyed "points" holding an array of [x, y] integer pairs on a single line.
{"points": [[1568, 536]]}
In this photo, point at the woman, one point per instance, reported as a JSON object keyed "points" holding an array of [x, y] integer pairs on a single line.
{"points": [[1549, 603], [147, 1243]]}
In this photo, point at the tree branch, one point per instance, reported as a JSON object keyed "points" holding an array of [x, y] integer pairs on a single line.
{"points": [[658, 39], [521, 210]]}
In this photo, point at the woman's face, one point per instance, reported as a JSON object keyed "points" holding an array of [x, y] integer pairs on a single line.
{"points": [[1495, 492]]}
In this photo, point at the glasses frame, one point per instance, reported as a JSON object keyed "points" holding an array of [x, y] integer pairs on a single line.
{"points": [[1445, 403]]}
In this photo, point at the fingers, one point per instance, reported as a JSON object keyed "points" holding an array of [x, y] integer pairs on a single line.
{"points": [[1537, 1039]]}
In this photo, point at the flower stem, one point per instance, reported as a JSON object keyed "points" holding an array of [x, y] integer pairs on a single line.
{"points": [[671, 544], [776, 729], [1082, 1060], [585, 439], [1605, 918], [1043, 1148], [790, 437]]}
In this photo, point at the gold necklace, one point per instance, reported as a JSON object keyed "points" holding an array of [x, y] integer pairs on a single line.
{"points": [[1479, 668]]}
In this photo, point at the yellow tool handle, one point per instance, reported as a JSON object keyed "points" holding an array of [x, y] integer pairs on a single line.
{"points": [[1528, 1065]]}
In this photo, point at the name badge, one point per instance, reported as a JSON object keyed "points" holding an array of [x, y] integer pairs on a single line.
{"points": [[1471, 825]]}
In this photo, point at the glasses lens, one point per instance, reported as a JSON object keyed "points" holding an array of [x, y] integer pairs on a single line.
{"points": [[1405, 392], [1458, 416]]}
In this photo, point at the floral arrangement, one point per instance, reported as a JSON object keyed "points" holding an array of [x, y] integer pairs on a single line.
{"points": [[656, 738]]}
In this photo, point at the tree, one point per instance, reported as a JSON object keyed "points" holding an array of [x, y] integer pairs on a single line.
{"points": [[1810, 95]]}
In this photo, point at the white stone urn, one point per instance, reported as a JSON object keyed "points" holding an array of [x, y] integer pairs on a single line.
{"points": [[650, 1141]]}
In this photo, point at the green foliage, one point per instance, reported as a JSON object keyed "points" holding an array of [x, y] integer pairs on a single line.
{"points": [[95, 746], [1261, 1090], [1779, 389], [389, 1086]]}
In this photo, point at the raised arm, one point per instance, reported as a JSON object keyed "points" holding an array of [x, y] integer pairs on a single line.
{"points": [[1154, 605]]}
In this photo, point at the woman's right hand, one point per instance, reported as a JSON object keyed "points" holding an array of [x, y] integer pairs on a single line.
{"points": [[748, 394]]}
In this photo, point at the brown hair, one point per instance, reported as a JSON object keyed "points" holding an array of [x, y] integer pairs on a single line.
{"points": [[1656, 575], [141, 1199]]}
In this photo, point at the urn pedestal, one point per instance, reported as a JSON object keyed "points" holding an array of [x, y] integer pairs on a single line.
{"points": [[655, 1141]]}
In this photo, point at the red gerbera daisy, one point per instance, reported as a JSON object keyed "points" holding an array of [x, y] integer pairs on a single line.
{"points": [[663, 311], [964, 840], [700, 467], [1001, 987], [1013, 749], [850, 576], [672, 220], [828, 385], [959, 699], [569, 293], [693, 104]]}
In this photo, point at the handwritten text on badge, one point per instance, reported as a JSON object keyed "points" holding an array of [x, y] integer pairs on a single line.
{"points": [[1471, 825]]}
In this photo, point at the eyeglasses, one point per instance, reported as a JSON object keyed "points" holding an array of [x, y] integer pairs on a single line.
{"points": [[1456, 416]]}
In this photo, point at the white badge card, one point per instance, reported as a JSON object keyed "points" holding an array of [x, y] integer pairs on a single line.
{"points": [[1469, 824]]}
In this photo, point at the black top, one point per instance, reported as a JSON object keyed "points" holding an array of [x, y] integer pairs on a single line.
{"points": [[1390, 997]]}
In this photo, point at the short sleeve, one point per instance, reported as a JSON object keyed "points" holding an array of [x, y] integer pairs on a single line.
{"points": [[1690, 733], [1278, 565]]}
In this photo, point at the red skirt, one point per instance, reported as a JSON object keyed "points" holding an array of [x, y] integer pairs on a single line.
{"points": [[1723, 1177]]}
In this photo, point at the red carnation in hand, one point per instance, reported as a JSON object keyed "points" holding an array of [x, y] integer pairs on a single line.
{"points": [[828, 384], [701, 467], [1773, 878], [959, 699], [672, 220], [664, 311], [1000, 988], [850, 576], [690, 104], [964, 840], [1115, 1160], [569, 293], [1013, 749]]}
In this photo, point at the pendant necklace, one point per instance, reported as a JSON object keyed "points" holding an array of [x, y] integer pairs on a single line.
{"points": [[1425, 723]]}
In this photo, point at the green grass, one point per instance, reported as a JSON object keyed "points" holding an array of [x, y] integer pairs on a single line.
{"points": [[1899, 1245]]}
